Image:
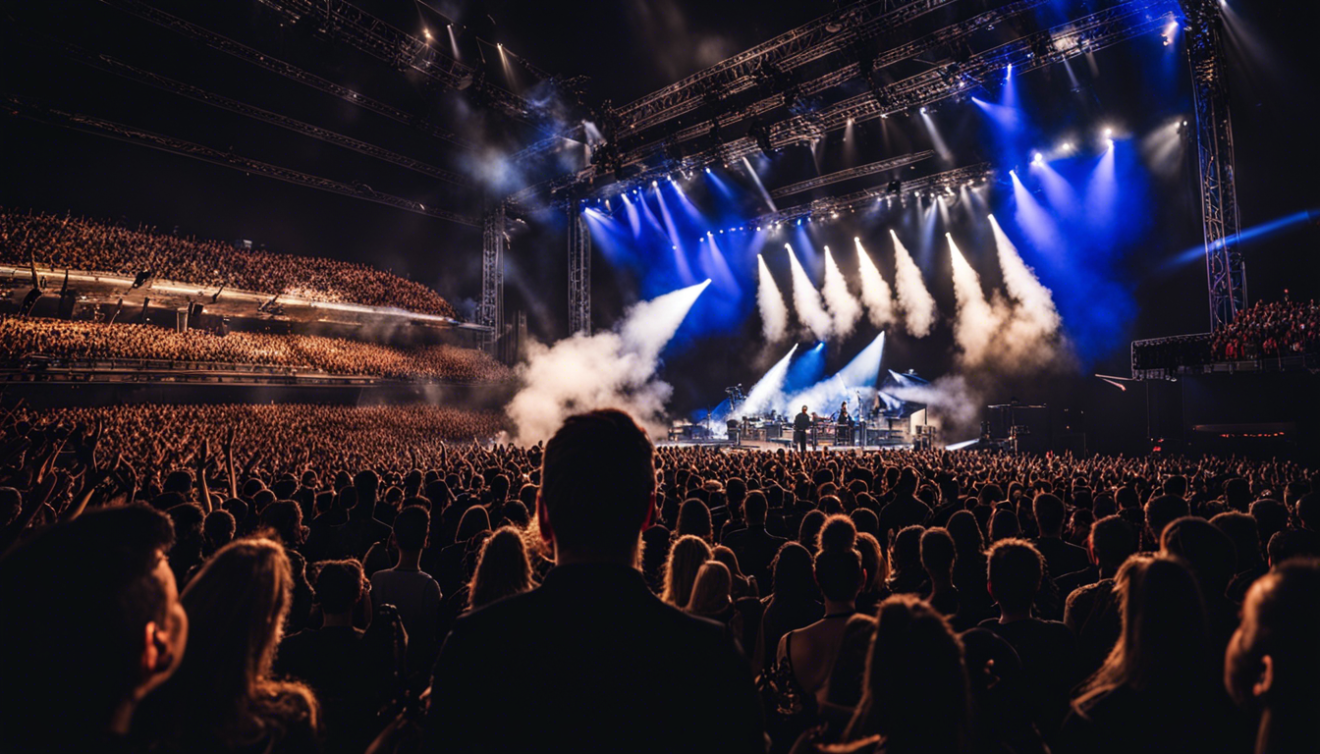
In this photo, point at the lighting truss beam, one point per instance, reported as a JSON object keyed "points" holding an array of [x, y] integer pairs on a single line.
{"points": [[275, 65], [579, 274], [851, 173], [1038, 50], [1225, 269], [121, 68], [121, 132], [490, 313], [944, 37], [338, 19], [938, 182], [824, 36]]}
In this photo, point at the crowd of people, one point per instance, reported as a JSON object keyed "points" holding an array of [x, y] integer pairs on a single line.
{"points": [[66, 242], [1269, 330], [65, 340], [300, 578]]}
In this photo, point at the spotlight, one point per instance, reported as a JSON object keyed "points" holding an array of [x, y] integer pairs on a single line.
{"points": [[923, 109], [707, 170], [1038, 157], [1066, 146], [427, 32], [1109, 132], [654, 184]]}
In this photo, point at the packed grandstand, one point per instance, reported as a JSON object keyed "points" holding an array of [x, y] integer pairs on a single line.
{"points": [[87, 344], [74, 243]]}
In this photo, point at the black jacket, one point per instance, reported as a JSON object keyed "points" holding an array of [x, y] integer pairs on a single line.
{"points": [[592, 661]]}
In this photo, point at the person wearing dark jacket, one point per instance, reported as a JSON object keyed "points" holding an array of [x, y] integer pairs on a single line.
{"points": [[801, 425], [592, 660]]}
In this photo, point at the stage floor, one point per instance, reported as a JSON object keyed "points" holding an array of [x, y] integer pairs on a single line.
{"points": [[774, 445]]}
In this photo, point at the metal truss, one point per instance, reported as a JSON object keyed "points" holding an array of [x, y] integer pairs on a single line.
{"points": [[490, 312], [275, 65], [945, 182], [1038, 50], [947, 36], [121, 68], [851, 173], [824, 36], [1225, 269], [579, 274], [121, 132], [341, 20]]}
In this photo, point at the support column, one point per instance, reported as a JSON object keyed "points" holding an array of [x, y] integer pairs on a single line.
{"points": [[490, 312], [1225, 271], [579, 274]]}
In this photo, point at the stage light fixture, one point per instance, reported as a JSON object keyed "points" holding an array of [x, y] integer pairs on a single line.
{"points": [[1109, 132], [1038, 157]]}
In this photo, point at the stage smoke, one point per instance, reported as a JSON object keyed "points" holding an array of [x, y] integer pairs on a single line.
{"points": [[1035, 318], [606, 370], [875, 291], [975, 327], [774, 312], [768, 391], [951, 403], [854, 383], [806, 300], [842, 305], [916, 302]]}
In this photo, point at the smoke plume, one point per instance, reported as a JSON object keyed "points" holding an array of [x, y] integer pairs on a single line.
{"points": [[916, 302], [774, 312], [840, 301], [607, 370], [806, 300], [875, 291], [977, 322]]}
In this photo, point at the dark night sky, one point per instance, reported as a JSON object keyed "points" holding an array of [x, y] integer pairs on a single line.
{"points": [[626, 48]]}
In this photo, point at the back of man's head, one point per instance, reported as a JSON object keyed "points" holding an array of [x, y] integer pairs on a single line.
{"points": [[1162, 510], [598, 478], [1112, 541], [1292, 543], [410, 528], [338, 586], [1308, 511], [366, 483], [1271, 516], [1241, 528], [77, 599], [1015, 570], [755, 508], [1207, 550], [937, 552], [1175, 485], [1050, 513]]}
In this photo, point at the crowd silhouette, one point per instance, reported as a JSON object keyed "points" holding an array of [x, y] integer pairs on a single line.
{"points": [[308, 578], [81, 341], [74, 243]]}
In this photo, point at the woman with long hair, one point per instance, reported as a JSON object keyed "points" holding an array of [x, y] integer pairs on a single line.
{"points": [[794, 601], [503, 569], [877, 573], [223, 698], [712, 593], [916, 696], [685, 559], [1157, 690], [809, 652], [969, 567]]}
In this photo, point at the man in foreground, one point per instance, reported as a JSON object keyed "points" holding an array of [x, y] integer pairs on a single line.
{"points": [[592, 660]]}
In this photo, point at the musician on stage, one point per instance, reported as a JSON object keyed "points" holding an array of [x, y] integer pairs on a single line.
{"points": [[801, 424], [843, 430]]}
